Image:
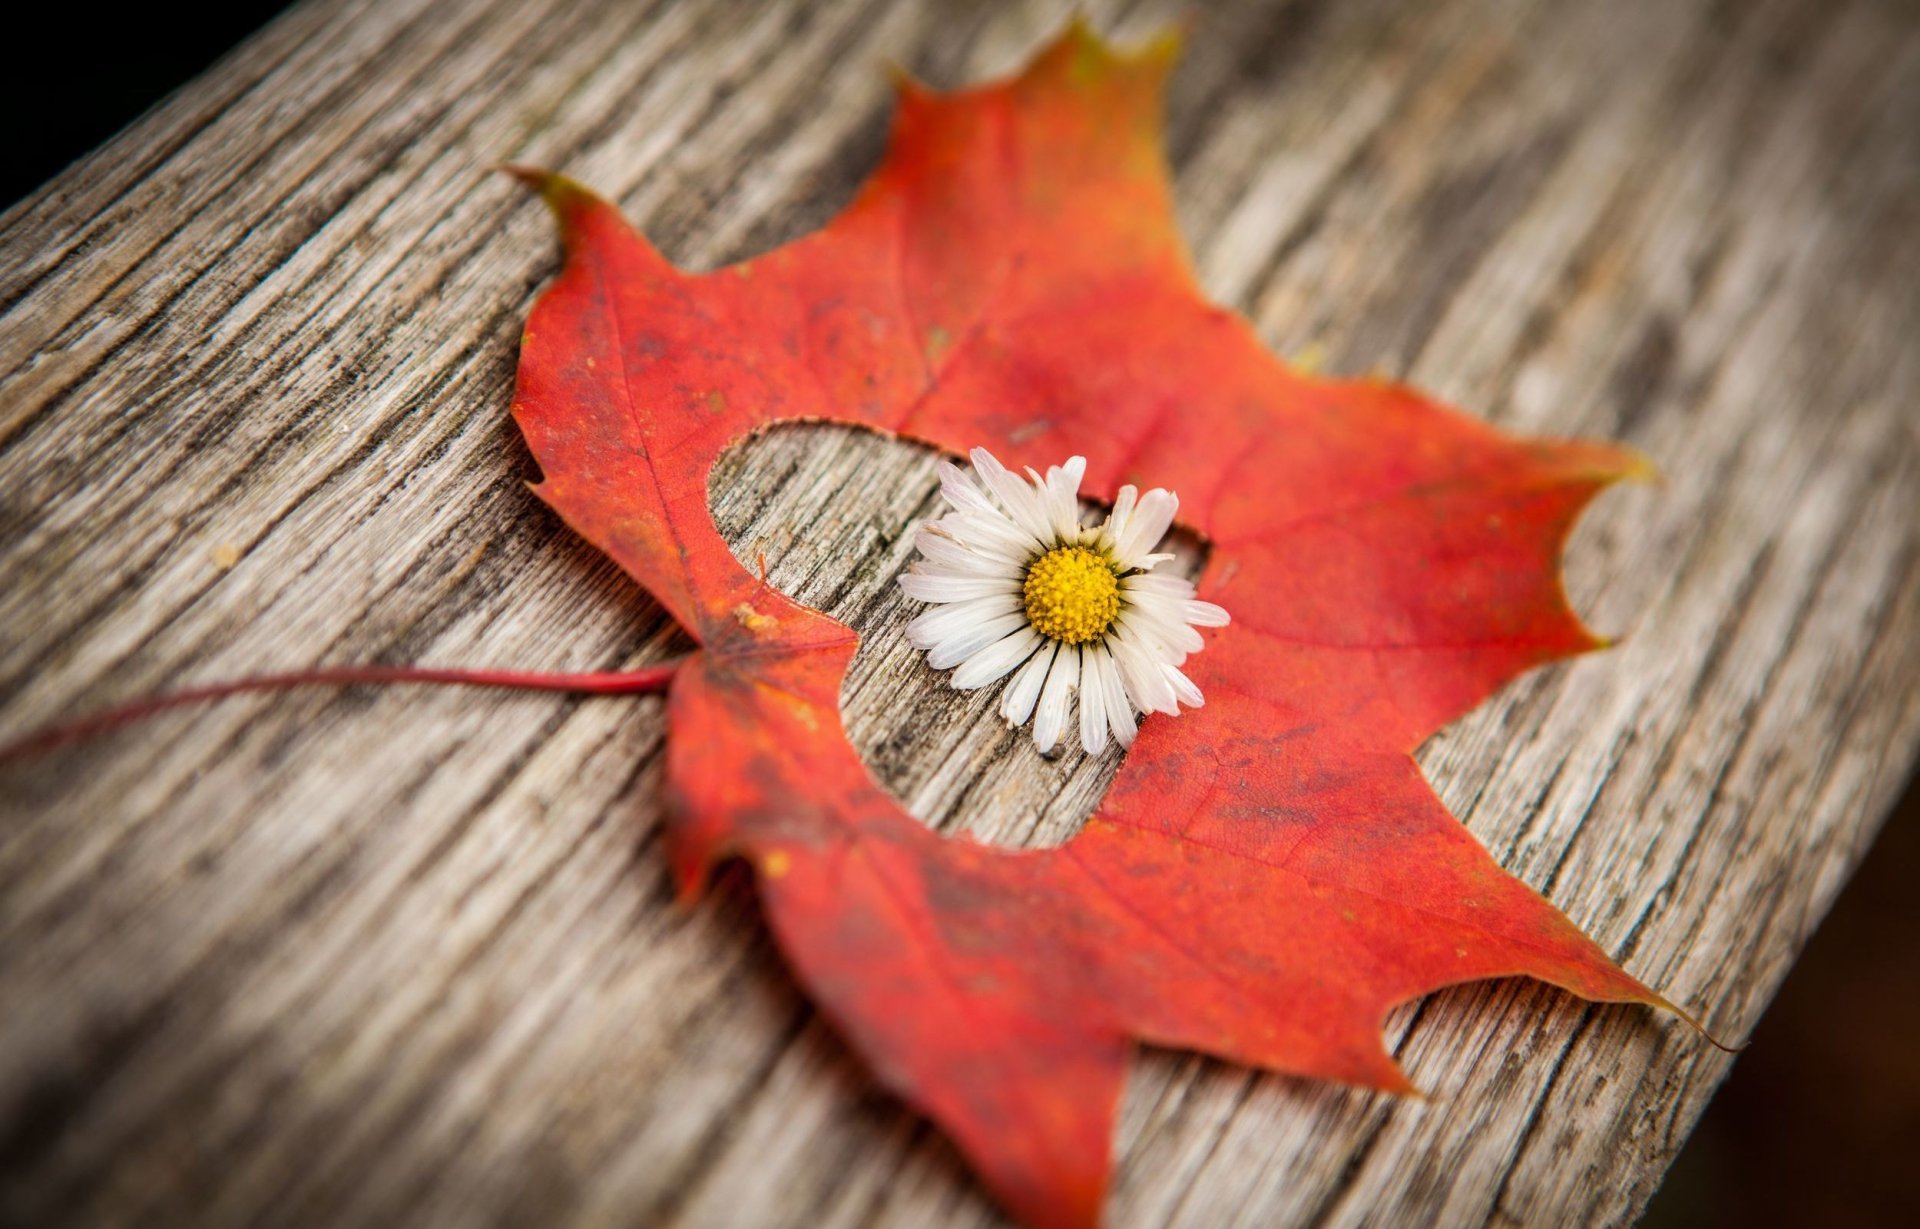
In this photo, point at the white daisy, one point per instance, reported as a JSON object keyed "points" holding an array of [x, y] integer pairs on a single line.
{"points": [[1022, 587]]}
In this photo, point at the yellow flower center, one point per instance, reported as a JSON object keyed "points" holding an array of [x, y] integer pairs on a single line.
{"points": [[1072, 595]]}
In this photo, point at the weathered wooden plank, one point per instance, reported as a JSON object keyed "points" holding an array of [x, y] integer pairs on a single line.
{"points": [[405, 955]]}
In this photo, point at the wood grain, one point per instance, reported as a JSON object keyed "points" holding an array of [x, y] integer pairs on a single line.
{"points": [[409, 956]]}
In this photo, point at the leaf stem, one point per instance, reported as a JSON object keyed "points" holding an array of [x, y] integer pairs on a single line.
{"points": [[643, 681]]}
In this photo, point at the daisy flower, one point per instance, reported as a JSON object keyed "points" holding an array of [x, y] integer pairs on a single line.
{"points": [[1022, 587]]}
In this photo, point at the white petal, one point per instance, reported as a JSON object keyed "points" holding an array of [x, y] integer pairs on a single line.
{"points": [[1146, 527], [1163, 607], [965, 571], [1051, 717], [941, 546], [928, 630], [990, 531], [1148, 582], [1017, 705], [959, 489], [963, 645], [979, 523], [1206, 614], [1183, 687], [1114, 692], [1139, 669], [994, 661], [1114, 527], [1022, 502], [1159, 624], [1093, 704], [1062, 494], [926, 588]]}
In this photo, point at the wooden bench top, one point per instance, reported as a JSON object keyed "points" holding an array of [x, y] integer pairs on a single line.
{"points": [[409, 956]]}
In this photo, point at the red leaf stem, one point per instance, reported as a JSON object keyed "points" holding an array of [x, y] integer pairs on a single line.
{"points": [[644, 681]]}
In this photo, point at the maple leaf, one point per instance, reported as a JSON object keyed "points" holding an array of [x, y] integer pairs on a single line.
{"points": [[1268, 875]]}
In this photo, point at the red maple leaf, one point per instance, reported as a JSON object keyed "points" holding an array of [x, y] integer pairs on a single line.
{"points": [[1269, 874]]}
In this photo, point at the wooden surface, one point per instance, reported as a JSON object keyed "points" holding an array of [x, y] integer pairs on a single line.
{"points": [[408, 956]]}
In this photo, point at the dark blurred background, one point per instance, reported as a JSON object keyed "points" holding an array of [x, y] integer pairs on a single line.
{"points": [[93, 70], [1820, 1122]]}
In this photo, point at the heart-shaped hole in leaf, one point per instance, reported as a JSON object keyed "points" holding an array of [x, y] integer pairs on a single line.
{"points": [[831, 510]]}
